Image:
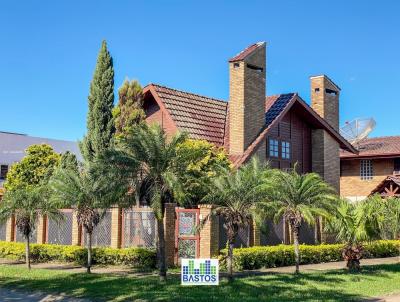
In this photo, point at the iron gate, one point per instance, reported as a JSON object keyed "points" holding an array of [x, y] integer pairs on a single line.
{"points": [[187, 239]]}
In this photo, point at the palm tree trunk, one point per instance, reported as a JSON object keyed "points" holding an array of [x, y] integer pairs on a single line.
{"points": [[295, 230], [230, 259], [162, 266], [28, 253], [89, 254]]}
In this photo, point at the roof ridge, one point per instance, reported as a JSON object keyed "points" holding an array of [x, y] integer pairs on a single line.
{"points": [[384, 136], [178, 90]]}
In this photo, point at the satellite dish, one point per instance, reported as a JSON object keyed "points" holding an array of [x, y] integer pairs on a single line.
{"points": [[358, 129]]}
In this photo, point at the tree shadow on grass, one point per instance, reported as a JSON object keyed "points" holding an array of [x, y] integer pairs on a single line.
{"points": [[324, 286]]}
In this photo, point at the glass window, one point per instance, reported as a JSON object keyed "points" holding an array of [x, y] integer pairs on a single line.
{"points": [[273, 148], [285, 150], [3, 171], [366, 171], [396, 168]]}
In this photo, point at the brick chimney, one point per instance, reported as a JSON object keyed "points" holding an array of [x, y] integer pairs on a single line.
{"points": [[325, 99], [247, 94], [325, 149]]}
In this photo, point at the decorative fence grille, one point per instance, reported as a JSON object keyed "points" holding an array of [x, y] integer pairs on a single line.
{"points": [[138, 228], [3, 227], [60, 232], [101, 235]]}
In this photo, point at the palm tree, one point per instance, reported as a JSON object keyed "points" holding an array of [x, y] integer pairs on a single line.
{"points": [[235, 194], [382, 217], [349, 222], [88, 192], [26, 205], [151, 167], [298, 198]]}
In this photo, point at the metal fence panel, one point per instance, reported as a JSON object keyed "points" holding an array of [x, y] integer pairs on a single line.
{"points": [[20, 238], [139, 228], [60, 232], [101, 235], [242, 239], [3, 226], [272, 233]]}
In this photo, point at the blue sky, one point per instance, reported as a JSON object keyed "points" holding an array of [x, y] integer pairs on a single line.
{"points": [[48, 52]]}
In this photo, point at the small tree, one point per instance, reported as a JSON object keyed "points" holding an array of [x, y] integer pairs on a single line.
{"points": [[88, 193], [100, 123], [34, 169], [297, 198], [207, 162], [349, 224], [382, 217], [26, 205], [129, 111], [68, 160], [235, 195]]}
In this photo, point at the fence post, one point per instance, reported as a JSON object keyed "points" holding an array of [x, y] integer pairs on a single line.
{"points": [[169, 233], [209, 233], [76, 230], [41, 229], [116, 227], [10, 229]]}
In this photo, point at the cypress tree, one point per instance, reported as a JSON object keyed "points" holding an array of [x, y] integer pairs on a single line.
{"points": [[100, 123], [69, 161]]}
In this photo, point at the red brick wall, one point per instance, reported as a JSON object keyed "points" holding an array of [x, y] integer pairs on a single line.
{"points": [[351, 184], [155, 114]]}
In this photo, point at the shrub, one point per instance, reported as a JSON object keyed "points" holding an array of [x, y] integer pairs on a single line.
{"points": [[135, 257], [283, 255]]}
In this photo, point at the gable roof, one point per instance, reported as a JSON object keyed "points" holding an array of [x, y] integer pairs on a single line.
{"points": [[202, 117], [277, 107], [388, 182], [376, 147], [207, 118]]}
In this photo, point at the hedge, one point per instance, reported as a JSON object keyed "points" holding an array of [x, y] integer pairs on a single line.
{"points": [[283, 255], [135, 257]]}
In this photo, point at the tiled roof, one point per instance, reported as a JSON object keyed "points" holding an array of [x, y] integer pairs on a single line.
{"points": [[385, 183], [375, 147], [202, 117], [207, 118], [244, 53]]}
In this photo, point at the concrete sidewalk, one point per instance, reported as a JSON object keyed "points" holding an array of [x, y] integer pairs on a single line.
{"points": [[124, 270]]}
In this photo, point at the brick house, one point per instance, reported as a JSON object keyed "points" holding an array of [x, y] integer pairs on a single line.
{"points": [[282, 129], [375, 169]]}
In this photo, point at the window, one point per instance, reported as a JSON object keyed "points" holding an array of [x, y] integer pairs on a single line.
{"points": [[3, 171], [396, 168], [366, 171], [273, 148], [285, 150]]}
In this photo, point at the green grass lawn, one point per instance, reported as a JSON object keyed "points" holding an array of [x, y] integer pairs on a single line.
{"points": [[335, 285]]}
